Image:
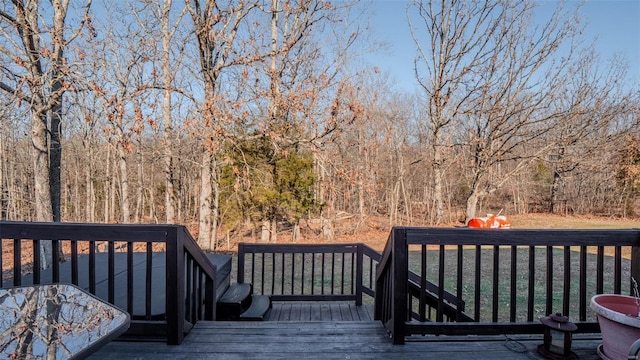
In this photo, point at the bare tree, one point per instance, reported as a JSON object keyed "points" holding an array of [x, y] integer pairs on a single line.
{"points": [[37, 72], [595, 100], [123, 83], [628, 174], [5, 193], [453, 41], [494, 76], [514, 107], [218, 33], [168, 33], [301, 67], [170, 20]]}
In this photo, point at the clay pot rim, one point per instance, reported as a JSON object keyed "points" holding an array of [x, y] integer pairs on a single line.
{"points": [[613, 315]]}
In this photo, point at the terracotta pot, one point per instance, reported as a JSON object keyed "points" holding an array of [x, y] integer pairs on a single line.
{"points": [[619, 323]]}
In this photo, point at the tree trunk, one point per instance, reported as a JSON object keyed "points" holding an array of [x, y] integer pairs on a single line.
{"points": [[274, 231], [361, 210], [319, 188], [124, 186], [268, 231], [555, 188], [327, 228], [216, 202], [4, 187], [265, 228], [90, 194], [139, 212], [438, 196], [55, 156], [108, 186], [295, 236], [209, 197], [205, 219], [360, 166], [394, 197], [406, 202], [170, 196], [472, 203], [40, 154]]}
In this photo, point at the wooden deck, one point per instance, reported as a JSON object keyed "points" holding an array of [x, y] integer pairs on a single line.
{"points": [[331, 330], [320, 311]]}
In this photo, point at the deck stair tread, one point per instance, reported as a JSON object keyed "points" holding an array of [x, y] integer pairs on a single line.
{"points": [[259, 309], [236, 294], [239, 303]]}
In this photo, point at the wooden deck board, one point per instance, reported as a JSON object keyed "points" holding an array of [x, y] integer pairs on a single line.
{"points": [[329, 330], [329, 340], [305, 312], [315, 313]]}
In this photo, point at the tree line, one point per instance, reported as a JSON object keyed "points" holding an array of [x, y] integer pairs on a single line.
{"points": [[253, 115]]}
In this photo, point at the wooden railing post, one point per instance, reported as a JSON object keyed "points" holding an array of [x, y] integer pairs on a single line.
{"points": [[210, 299], [240, 263], [175, 287], [379, 292], [359, 273], [635, 263], [399, 264]]}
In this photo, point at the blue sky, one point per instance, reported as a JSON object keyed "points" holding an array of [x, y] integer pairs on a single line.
{"points": [[614, 26]]}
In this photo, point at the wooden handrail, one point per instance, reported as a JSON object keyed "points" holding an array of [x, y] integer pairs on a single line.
{"points": [[189, 292], [584, 248], [304, 272], [269, 259]]}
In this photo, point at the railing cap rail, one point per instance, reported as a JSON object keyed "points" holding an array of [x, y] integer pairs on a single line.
{"points": [[521, 237], [85, 231], [275, 248]]}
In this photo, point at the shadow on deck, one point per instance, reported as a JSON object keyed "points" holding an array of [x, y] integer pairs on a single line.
{"points": [[330, 330]]}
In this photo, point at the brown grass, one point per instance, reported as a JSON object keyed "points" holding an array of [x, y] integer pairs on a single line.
{"points": [[547, 221], [374, 231]]}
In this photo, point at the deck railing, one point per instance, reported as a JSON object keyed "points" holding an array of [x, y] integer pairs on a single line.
{"points": [[308, 272], [426, 281], [157, 273], [294, 272], [508, 278]]}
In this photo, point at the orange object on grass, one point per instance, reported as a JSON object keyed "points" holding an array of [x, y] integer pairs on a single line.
{"points": [[489, 222], [503, 221]]}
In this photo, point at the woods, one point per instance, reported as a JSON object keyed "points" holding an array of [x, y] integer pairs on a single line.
{"points": [[245, 117]]}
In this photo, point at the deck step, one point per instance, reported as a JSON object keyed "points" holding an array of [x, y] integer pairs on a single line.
{"points": [[259, 309], [235, 301], [237, 293]]}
